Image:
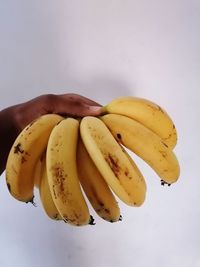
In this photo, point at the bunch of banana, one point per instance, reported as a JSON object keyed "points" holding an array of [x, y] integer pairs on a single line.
{"points": [[69, 158], [147, 130]]}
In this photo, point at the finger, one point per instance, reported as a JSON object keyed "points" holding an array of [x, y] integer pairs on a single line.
{"points": [[79, 110], [79, 98], [76, 105], [91, 111]]}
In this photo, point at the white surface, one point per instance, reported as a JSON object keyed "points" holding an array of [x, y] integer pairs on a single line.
{"points": [[104, 49]]}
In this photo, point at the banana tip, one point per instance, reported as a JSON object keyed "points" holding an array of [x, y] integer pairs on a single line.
{"points": [[92, 222]]}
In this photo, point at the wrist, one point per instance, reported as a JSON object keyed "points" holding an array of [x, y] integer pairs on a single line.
{"points": [[8, 119], [8, 134]]}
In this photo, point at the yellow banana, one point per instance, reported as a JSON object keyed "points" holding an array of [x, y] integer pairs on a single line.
{"points": [[38, 172], [121, 175], [95, 187], [147, 113], [62, 173], [146, 144], [45, 194], [24, 155]]}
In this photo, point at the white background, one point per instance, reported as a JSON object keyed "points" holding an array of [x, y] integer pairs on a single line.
{"points": [[105, 49]]}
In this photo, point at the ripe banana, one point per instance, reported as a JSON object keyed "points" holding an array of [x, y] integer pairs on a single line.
{"points": [[62, 173], [95, 187], [121, 175], [38, 172], [45, 194], [25, 153], [146, 144], [147, 113]]}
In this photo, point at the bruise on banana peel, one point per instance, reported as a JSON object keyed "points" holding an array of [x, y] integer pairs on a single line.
{"points": [[72, 220], [117, 170], [113, 163], [18, 149], [58, 182], [21, 152], [114, 166]]}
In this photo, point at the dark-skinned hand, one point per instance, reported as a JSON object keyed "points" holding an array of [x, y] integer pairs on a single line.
{"points": [[13, 119]]}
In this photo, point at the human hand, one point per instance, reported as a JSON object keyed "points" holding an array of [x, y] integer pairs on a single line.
{"points": [[15, 118], [72, 105]]}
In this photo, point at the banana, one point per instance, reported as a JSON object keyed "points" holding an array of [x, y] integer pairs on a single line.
{"points": [[121, 175], [146, 144], [63, 175], [24, 155], [147, 113], [38, 172], [45, 194], [95, 187]]}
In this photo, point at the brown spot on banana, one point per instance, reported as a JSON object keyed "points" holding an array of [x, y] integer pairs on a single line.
{"points": [[164, 144], [100, 203], [18, 149], [23, 159], [56, 217], [98, 210], [107, 211], [119, 136], [163, 153], [32, 123], [72, 220], [126, 173], [59, 179], [113, 163]]}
